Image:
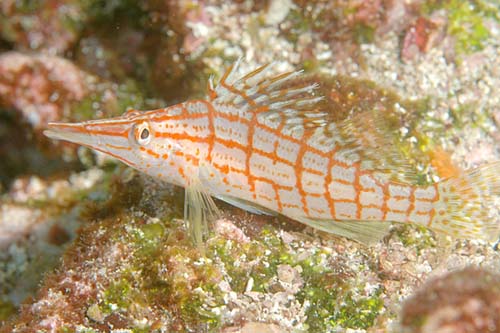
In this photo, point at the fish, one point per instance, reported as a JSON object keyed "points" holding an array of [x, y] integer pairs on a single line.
{"points": [[262, 142]]}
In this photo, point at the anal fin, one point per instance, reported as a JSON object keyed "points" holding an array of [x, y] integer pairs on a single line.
{"points": [[366, 232], [246, 205], [199, 211]]}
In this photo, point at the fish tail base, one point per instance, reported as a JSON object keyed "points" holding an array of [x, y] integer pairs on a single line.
{"points": [[468, 204]]}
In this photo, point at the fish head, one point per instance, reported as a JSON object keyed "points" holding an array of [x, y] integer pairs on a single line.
{"points": [[129, 138]]}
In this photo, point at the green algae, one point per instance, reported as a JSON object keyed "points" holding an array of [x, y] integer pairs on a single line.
{"points": [[173, 276], [357, 312], [416, 236], [465, 22], [300, 24], [470, 114], [364, 33], [186, 289], [7, 309], [163, 272], [335, 301], [117, 296], [323, 287]]}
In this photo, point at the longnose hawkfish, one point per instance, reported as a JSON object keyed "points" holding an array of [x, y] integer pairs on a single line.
{"points": [[260, 142]]}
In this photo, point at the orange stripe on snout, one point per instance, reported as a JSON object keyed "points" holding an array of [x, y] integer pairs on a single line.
{"points": [[84, 129], [117, 147], [123, 134]]}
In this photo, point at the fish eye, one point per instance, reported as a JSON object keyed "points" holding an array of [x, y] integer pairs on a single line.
{"points": [[142, 134]]}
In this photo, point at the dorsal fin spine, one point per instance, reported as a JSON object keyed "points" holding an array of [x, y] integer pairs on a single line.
{"points": [[228, 77], [310, 101], [271, 95], [279, 79], [256, 77]]}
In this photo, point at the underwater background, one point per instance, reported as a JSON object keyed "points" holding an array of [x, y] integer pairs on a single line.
{"points": [[89, 245]]}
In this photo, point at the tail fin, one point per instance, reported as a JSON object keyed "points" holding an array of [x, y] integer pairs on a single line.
{"points": [[468, 205]]}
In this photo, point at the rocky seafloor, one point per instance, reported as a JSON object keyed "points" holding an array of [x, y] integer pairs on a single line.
{"points": [[89, 245]]}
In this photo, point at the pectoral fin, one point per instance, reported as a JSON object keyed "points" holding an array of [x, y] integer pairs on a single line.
{"points": [[199, 210]]}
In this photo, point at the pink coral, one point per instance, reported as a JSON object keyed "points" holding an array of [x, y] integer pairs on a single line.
{"points": [[43, 25], [40, 87]]}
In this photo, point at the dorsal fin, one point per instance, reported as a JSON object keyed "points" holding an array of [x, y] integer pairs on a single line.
{"points": [[280, 96], [371, 134]]}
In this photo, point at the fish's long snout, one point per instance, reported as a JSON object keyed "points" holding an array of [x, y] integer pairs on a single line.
{"points": [[62, 131], [106, 135], [109, 136], [76, 133]]}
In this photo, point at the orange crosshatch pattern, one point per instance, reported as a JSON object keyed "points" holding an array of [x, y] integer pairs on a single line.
{"points": [[300, 166], [259, 141]]}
